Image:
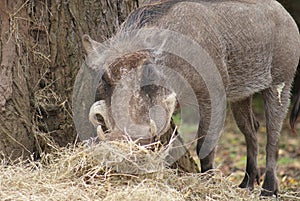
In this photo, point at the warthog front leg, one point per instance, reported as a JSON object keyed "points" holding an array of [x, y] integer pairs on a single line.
{"points": [[248, 125], [207, 163], [276, 101], [206, 157]]}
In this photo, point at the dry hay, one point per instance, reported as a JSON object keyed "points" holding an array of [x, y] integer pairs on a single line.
{"points": [[111, 171]]}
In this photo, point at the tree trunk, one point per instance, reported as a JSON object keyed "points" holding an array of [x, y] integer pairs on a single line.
{"points": [[40, 55], [15, 121]]}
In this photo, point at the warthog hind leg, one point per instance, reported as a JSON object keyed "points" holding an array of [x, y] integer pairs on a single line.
{"points": [[248, 125], [276, 106]]}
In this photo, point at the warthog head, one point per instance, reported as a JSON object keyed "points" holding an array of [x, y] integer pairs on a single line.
{"points": [[131, 98]]}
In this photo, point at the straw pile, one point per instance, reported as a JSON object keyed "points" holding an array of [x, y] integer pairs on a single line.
{"points": [[110, 171]]}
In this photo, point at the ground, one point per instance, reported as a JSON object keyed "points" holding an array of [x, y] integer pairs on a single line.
{"points": [[231, 152], [231, 156]]}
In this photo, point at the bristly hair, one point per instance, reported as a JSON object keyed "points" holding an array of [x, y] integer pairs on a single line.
{"points": [[151, 10]]}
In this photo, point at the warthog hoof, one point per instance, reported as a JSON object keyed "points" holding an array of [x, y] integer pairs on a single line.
{"points": [[270, 186], [249, 179]]}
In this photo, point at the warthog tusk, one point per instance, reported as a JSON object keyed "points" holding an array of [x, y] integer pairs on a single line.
{"points": [[153, 128], [170, 101], [100, 108], [100, 133]]}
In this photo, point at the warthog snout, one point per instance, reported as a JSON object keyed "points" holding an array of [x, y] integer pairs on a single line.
{"points": [[158, 117]]}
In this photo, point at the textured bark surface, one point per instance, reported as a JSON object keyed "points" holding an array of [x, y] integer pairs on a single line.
{"points": [[40, 55], [15, 121]]}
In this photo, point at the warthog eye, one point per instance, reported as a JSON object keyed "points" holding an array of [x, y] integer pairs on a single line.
{"points": [[103, 90]]}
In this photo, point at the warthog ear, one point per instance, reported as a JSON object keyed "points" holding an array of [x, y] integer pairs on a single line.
{"points": [[89, 44]]}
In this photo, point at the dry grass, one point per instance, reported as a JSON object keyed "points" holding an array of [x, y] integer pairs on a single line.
{"points": [[111, 171]]}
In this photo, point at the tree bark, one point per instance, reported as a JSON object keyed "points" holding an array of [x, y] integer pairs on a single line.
{"points": [[15, 120], [40, 55]]}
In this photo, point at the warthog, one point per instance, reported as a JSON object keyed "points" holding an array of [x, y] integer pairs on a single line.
{"points": [[255, 46]]}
